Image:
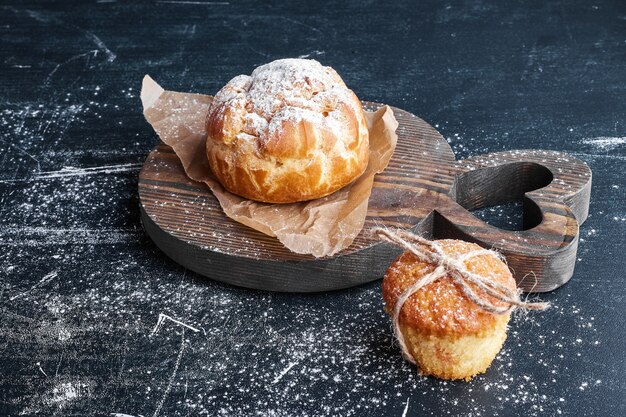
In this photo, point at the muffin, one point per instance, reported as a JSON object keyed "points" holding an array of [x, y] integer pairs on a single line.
{"points": [[448, 335], [292, 131]]}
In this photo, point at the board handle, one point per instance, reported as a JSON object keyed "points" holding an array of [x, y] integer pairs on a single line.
{"points": [[555, 188]]}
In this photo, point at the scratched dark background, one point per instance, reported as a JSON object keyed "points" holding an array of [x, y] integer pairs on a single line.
{"points": [[82, 288]]}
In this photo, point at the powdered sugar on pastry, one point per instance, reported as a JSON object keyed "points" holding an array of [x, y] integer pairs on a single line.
{"points": [[284, 90], [291, 131]]}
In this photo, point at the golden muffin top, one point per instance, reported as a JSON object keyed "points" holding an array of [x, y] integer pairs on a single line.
{"points": [[441, 308]]}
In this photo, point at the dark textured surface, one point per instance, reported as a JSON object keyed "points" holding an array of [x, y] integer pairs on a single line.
{"points": [[82, 287]]}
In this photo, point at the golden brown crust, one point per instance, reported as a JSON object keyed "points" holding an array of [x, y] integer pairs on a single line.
{"points": [[456, 357], [440, 308], [292, 131]]}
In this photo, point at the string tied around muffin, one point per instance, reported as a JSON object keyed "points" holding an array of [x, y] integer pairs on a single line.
{"points": [[453, 267]]}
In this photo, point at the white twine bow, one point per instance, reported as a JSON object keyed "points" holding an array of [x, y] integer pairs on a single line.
{"points": [[453, 267]]}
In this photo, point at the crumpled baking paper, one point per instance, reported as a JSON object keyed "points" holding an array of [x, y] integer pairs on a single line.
{"points": [[321, 227]]}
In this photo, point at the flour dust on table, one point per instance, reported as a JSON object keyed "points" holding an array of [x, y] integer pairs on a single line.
{"points": [[200, 332]]}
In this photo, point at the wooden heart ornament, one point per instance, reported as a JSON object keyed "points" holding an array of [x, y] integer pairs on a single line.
{"points": [[423, 189]]}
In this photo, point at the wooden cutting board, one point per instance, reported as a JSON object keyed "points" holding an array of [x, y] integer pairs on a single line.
{"points": [[423, 189]]}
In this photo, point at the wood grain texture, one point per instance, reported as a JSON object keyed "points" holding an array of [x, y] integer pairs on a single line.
{"points": [[555, 188], [423, 189], [186, 222]]}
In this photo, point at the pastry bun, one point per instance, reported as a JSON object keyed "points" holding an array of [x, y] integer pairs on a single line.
{"points": [[292, 131], [448, 335]]}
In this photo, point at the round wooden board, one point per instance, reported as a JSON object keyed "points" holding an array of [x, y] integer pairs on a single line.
{"points": [[186, 221]]}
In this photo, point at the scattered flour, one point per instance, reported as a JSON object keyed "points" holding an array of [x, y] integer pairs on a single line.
{"points": [[606, 143]]}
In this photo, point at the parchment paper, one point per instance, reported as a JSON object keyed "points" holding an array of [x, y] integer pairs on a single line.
{"points": [[319, 227]]}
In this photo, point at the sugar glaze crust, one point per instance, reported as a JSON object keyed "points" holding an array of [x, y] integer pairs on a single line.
{"points": [[291, 131], [441, 308]]}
